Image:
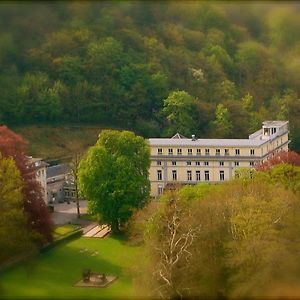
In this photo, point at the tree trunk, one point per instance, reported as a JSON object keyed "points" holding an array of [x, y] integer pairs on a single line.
{"points": [[115, 226], [77, 201]]}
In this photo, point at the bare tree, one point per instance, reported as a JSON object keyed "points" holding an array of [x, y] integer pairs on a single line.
{"points": [[176, 235], [74, 165]]}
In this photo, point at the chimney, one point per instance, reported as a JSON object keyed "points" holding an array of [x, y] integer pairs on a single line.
{"points": [[193, 137]]}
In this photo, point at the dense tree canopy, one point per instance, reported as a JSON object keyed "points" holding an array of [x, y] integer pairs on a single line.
{"points": [[115, 63], [15, 238], [235, 240], [38, 217], [114, 176]]}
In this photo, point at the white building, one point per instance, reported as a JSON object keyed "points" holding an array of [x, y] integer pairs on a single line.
{"points": [[191, 160], [40, 171]]}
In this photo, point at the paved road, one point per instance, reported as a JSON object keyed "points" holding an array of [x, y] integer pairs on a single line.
{"points": [[67, 213]]}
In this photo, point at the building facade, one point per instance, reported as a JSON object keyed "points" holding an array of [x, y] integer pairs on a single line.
{"points": [[56, 178], [40, 174], [181, 160]]}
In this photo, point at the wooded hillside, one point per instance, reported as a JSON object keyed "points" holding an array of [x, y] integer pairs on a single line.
{"points": [[214, 69]]}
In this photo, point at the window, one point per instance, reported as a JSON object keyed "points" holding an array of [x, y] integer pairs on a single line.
{"points": [[222, 177], [206, 151], [173, 163], [198, 151], [158, 163], [174, 175], [170, 151], [179, 151], [197, 163], [189, 175], [218, 151], [236, 163], [206, 163], [159, 151], [190, 151], [160, 190], [206, 175], [221, 163], [159, 175], [188, 163], [226, 151], [197, 175], [251, 163], [237, 151], [251, 151]]}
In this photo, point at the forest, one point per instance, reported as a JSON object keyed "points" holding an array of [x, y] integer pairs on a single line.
{"points": [[214, 69]]}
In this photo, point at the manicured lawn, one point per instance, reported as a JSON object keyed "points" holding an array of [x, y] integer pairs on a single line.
{"points": [[53, 273], [60, 231]]}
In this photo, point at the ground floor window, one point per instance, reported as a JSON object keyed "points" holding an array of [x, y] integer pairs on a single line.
{"points": [[222, 176], [189, 175], [206, 175], [174, 175], [197, 175], [160, 190]]}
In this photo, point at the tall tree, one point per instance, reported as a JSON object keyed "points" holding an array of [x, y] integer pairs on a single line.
{"points": [[15, 238], [178, 109], [39, 219], [222, 126], [114, 176]]}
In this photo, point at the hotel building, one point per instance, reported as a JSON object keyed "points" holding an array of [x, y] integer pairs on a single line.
{"points": [[181, 160]]}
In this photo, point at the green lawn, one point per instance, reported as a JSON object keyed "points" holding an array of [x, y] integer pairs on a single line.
{"points": [[60, 231], [53, 274]]}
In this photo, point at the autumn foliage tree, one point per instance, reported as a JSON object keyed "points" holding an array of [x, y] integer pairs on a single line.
{"points": [[281, 157], [238, 240], [39, 220], [15, 238]]}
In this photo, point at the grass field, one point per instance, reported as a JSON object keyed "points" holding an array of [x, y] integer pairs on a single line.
{"points": [[54, 273], [60, 231], [58, 142]]}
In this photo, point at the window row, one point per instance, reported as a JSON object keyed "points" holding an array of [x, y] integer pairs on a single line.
{"points": [[189, 175], [198, 151], [205, 163]]}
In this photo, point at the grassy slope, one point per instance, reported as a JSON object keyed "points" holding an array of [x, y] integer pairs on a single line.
{"points": [[56, 271], [58, 142]]}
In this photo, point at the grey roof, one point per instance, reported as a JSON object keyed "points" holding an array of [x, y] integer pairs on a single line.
{"points": [[57, 170], [178, 136], [38, 162], [274, 123], [207, 142], [255, 139]]}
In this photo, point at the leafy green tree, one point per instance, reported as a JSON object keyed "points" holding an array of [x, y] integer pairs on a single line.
{"points": [[235, 240], [40, 99], [178, 108], [222, 126], [114, 176], [15, 238]]}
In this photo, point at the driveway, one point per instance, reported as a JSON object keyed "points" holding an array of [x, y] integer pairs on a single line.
{"points": [[67, 213]]}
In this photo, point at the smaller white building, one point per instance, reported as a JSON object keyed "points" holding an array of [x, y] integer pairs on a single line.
{"points": [[40, 170]]}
